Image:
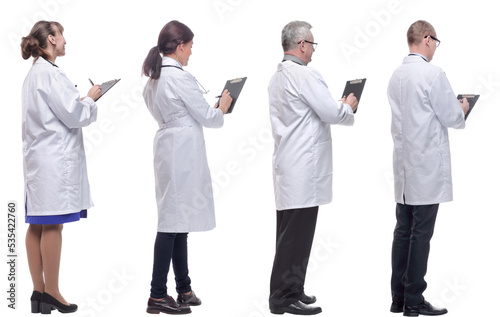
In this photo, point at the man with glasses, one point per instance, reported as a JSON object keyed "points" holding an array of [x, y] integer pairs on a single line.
{"points": [[301, 110], [423, 108]]}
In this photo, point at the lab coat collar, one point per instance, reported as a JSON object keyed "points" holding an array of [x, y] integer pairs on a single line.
{"points": [[420, 55], [42, 60], [294, 59], [170, 61], [414, 57]]}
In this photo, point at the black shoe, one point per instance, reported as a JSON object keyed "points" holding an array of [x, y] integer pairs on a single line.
{"points": [[397, 307], [167, 306], [49, 303], [190, 299], [297, 308], [35, 302], [308, 300], [423, 309]]}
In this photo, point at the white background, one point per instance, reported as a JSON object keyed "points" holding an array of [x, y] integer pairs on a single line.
{"points": [[107, 259]]}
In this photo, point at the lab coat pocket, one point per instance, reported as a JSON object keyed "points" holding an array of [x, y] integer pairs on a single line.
{"points": [[322, 153], [445, 159], [72, 167]]}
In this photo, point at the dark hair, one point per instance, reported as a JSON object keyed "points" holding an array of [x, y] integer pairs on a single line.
{"points": [[172, 34], [35, 43]]}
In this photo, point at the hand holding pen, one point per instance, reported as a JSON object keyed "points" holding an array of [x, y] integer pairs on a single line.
{"points": [[224, 102], [94, 92]]}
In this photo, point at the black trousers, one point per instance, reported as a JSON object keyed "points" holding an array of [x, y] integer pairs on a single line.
{"points": [[410, 252], [294, 236], [170, 247]]}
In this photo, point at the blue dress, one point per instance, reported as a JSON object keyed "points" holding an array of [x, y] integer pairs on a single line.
{"points": [[54, 220]]}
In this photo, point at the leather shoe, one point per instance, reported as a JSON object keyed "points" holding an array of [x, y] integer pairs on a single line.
{"points": [[35, 302], [425, 308], [168, 306], [297, 308], [190, 299], [308, 300], [49, 303], [397, 307], [35, 299]]}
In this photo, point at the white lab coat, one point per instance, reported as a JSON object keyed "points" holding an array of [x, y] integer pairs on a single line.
{"points": [[55, 170], [302, 110], [423, 107], [183, 183]]}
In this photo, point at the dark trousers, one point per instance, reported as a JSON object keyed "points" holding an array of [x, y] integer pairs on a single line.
{"points": [[294, 236], [170, 247], [410, 252]]}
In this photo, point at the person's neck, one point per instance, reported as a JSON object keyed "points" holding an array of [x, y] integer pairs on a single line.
{"points": [[174, 56], [50, 58], [419, 50], [297, 56]]}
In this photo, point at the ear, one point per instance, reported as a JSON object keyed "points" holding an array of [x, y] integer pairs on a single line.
{"points": [[52, 39], [427, 40], [302, 46], [181, 46]]}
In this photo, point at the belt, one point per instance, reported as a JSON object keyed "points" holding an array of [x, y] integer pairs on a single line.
{"points": [[180, 122]]}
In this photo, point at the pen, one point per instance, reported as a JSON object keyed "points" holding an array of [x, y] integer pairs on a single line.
{"points": [[218, 96], [91, 82]]}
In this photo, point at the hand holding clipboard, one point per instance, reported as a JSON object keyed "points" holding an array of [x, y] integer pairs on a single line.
{"points": [[234, 87], [355, 87], [105, 86], [224, 101], [471, 98]]}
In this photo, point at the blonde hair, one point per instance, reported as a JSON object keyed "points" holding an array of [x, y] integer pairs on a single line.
{"points": [[418, 31]]}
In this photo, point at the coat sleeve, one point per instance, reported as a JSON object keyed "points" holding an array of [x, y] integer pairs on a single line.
{"points": [[197, 106], [314, 92], [64, 101], [445, 104]]}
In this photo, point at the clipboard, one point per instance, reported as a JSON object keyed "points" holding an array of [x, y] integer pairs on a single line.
{"points": [[107, 85], [356, 87], [472, 99], [234, 86]]}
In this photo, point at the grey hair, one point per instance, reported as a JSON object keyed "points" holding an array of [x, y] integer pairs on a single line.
{"points": [[293, 33]]}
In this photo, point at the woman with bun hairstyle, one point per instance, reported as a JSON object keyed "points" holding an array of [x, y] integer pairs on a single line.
{"points": [[183, 184], [55, 173]]}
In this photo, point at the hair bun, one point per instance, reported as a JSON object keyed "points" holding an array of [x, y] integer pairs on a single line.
{"points": [[30, 46]]}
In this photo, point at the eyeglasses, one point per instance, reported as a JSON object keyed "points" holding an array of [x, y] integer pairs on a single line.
{"points": [[435, 39], [312, 43]]}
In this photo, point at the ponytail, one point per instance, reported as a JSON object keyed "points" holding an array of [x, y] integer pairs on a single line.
{"points": [[152, 64]]}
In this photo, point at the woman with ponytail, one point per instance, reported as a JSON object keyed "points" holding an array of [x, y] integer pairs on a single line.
{"points": [[183, 183], [55, 172]]}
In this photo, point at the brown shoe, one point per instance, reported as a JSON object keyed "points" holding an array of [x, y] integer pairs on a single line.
{"points": [[167, 306], [190, 299]]}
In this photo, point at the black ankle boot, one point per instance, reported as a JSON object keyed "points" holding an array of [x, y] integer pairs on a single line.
{"points": [[47, 303]]}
